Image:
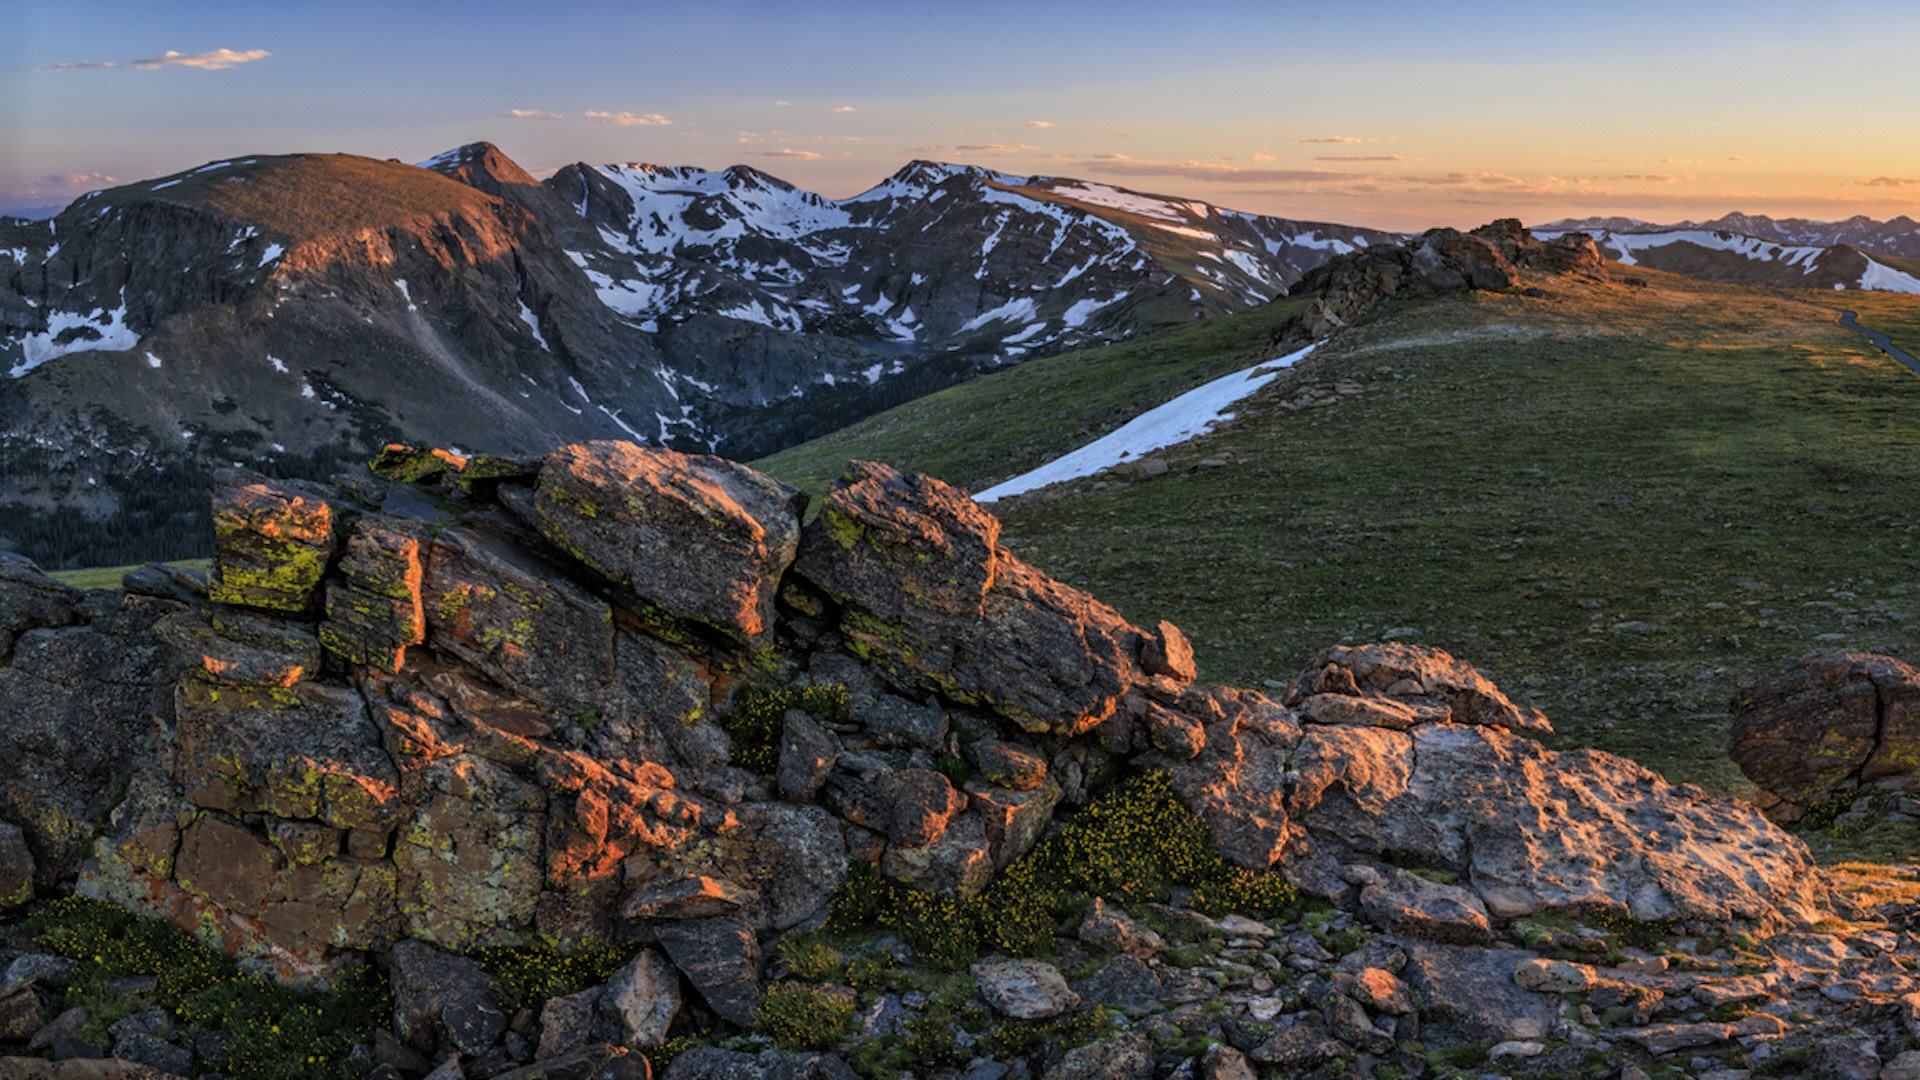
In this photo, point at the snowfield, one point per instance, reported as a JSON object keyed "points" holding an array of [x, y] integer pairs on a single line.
{"points": [[1183, 418]]}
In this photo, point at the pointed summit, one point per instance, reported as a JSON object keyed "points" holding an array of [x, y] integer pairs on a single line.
{"points": [[480, 165]]}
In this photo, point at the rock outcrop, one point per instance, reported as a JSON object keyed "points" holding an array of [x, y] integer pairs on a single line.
{"points": [[1491, 258], [624, 695], [1826, 730]]}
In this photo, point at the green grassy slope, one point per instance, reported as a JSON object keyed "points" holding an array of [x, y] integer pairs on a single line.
{"points": [[981, 432], [1618, 502]]}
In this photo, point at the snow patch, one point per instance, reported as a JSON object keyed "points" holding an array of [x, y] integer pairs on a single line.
{"points": [[1081, 310], [1886, 279], [108, 332], [533, 325], [614, 415], [153, 361], [279, 365], [1118, 199], [1183, 418], [274, 251], [1020, 309], [405, 295]]}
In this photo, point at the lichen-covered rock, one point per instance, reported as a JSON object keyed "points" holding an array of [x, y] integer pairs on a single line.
{"points": [[904, 549], [373, 601], [470, 848], [234, 647], [1007, 765], [310, 753], [920, 802], [932, 602], [272, 543], [335, 900], [1167, 652], [1824, 726], [517, 618], [696, 538]]}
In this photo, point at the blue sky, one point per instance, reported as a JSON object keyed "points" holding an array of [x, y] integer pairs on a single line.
{"points": [[1375, 112]]}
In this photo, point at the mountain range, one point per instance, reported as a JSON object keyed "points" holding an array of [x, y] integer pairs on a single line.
{"points": [[296, 312], [1899, 237]]}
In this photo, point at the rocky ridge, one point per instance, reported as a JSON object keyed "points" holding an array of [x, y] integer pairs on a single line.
{"points": [[1437, 262], [624, 695]]}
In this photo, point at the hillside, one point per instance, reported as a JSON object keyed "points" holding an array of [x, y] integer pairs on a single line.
{"points": [[1623, 500]]}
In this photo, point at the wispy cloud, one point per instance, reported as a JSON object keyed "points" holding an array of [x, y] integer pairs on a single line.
{"points": [[59, 188], [1122, 165], [1344, 140], [627, 119], [1039, 123], [1264, 157], [1888, 181], [843, 108], [1357, 157], [532, 114], [216, 60], [786, 152], [995, 148]]}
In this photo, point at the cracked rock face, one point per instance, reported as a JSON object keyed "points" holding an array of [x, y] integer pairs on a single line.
{"points": [[1827, 727]]}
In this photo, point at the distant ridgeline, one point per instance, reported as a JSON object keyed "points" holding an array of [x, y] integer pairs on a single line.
{"points": [[295, 312]]}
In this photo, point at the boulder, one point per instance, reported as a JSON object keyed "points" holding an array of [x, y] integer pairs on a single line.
{"points": [[919, 803], [1821, 727], [1526, 829], [930, 600], [693, 538], [1239, 784], [1113, 930], [721, 959], [1024, 989], [30, 599], [1470, 995], [1126, 1056], [442, 1000], [640, 1001]]}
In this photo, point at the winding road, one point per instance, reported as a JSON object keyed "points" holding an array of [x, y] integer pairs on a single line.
{"points": [[1851, 320]]}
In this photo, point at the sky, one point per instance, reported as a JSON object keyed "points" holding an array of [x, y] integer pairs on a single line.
{"points": [[1386, 113]]}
